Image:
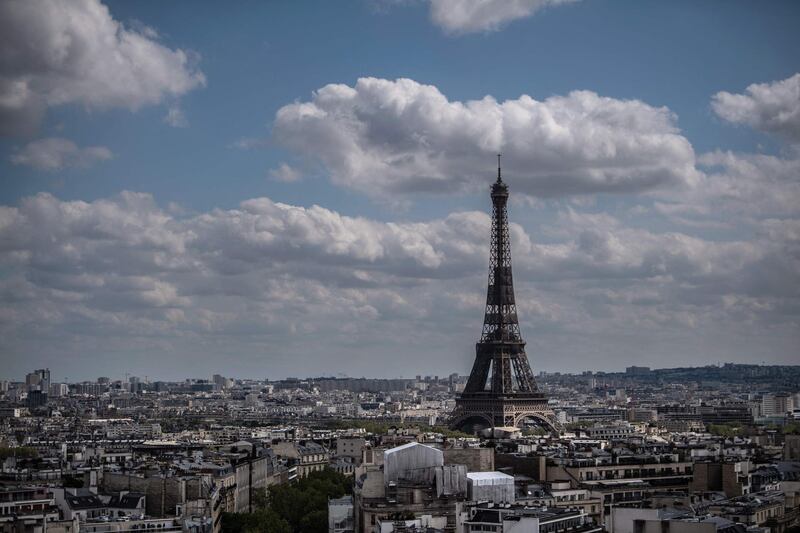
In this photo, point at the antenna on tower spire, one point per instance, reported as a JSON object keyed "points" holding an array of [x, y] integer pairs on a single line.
{"points": [[498, 168]]}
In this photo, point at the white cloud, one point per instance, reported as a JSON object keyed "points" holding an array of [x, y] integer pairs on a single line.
{"points": [[735, 189], [262, 230], [176, 118], [598, 247], [57, 53], [124, 275], [285, 173], [769, 107], [756, 185], [55, 153], [467, 16], [386, 137]]}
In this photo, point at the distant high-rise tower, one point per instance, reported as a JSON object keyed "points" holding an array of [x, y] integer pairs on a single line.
{"points": [[501, 390], [39, 380]]}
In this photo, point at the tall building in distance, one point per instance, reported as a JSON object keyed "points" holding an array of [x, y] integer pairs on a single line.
{"points": [[39, 380], [501, 390]]}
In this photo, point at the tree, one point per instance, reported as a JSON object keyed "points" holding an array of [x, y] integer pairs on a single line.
{"points": [[791, 428], [301, 507], [73, 482], [261, 499], [725, 430], [315, 520], [262, 521], [304, 505], [19, 452]]}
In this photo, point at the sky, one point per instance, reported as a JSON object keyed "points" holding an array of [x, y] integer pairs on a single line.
{"points": [[273, 189]]}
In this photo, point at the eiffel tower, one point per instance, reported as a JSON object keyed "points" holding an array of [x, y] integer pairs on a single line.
{"points": [[501, 391]]}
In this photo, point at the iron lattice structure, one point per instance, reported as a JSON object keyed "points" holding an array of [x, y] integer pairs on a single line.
{"points": [[501, 390]]}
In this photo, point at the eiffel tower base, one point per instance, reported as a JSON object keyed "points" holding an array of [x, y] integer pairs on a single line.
{"points": [[502, 412]]}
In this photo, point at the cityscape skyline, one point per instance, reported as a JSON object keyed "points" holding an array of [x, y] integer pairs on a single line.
{"points": [[244, 250], [153, 378]]}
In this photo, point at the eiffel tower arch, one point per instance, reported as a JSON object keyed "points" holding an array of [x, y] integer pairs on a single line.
{"points": [[501, 390]]}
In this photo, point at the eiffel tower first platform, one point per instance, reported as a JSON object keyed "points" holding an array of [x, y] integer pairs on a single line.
{"points": [[501, 391]]}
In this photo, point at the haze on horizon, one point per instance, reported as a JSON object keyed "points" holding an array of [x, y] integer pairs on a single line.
{"points": [[287, 189]]}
